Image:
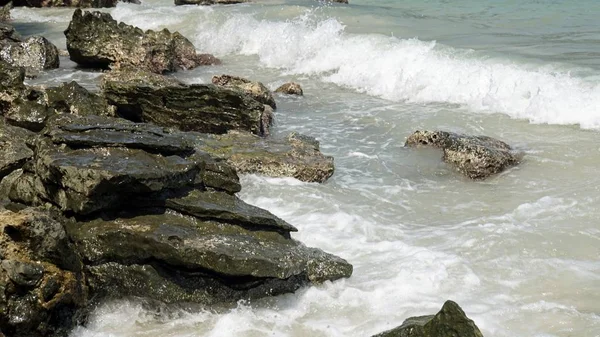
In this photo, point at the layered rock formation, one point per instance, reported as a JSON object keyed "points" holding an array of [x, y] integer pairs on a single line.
{"points": [[450, 321], [477, 157], [96, 40]]}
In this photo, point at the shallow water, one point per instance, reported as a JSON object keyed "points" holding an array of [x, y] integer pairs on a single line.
{"points": [[519, 252]]}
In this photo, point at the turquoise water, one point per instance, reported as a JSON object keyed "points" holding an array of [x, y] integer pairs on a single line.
{"points": [[519, 252]]}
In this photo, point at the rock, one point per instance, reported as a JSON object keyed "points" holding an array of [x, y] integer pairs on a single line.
{"points": [[451, 321], [255, 89], [172, 258], [167, 102], [66, 3], [71, 98], [208, 2], [11, 85], [8, 32], [5, 12], [14, 152], [29, 111], [290, 88], [296, 156], [477, 157], [34, 54], [95, 39], [339, 1], [42, 286]]}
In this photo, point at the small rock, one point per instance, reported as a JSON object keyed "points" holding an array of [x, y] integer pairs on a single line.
{"points": [[208, 2], [477, 157], [290, 88], [255, 89]]}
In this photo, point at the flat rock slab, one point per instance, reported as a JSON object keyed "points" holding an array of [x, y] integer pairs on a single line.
{"points": [[477, 157], [204, 252], [199, 107], [96, 131], [451, 320], [296, 155]]}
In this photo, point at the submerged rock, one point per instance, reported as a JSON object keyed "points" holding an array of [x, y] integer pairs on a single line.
{"points": [[34, 54], [255, 89], [296, 156], [42, 286], [290, 88], [477, 157], [166, 102], [95, 39], [451, 321], [208, 2]]}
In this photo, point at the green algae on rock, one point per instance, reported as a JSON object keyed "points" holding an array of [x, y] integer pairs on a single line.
{"points": [[477, 157], [450, 321]]}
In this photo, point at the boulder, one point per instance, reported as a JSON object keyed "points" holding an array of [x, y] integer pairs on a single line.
{"points": [[255, 89], [34, 54], [167, 256], [449, 322], [296, 155], [96, 40], [42, 285], [290, 88], [208, 2], [199, 107], [477, 157], [66, 3]]}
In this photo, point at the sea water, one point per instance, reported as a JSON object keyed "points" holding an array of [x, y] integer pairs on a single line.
{"points": [[520, 252]]}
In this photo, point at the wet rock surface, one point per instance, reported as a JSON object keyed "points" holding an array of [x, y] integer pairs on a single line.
{"points": [[450, 321], [295, 156], [42, 285], [95, 39], [290, 88], [477, 157], [166, 102], [255, 89]]}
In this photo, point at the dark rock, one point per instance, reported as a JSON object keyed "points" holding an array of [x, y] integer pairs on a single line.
{"points": [[218, 174], [477, 157], [255, 89], [451, 321], [296, 156], [29, 111], [14, 152], [95, 40], [66, 3], [290, 88], [208, 2], [72, 98], [8, 32], [11, 85], [34, 54], [166, 102], [42, 288], [171, 257]]}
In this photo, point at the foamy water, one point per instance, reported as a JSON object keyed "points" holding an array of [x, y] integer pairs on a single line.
{"points": [[519, 252]]}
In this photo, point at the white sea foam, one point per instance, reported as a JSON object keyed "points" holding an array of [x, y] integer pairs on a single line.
{"points": [[407, 69]]}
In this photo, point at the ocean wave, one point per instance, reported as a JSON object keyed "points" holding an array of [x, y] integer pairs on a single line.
{"points": [[409, 70]]}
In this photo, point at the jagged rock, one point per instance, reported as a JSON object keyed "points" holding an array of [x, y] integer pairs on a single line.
{"points": [[5, 12], [14, 152], [34, 54], [72, 98], [477, 157], [255, 89], [172, 258], [208, 2], [42, 286], [296, 156], [29, 111], [290, 88], [11, 85], [66, 3], [95, 39], [451, 321], [167, 102]]}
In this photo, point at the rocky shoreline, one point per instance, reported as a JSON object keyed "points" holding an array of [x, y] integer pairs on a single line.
{"points": [[130, 192]]}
